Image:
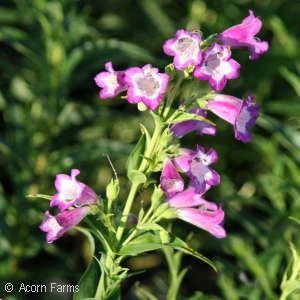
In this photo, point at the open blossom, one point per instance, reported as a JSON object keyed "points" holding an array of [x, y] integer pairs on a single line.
{"points": [[217, 67], [201, 127], [185, 47], [146, 85], [240, 113], [208, 216], [170, 181], [72, 192], [111, 82], [56, 226], [243, 35], [196, 166]]}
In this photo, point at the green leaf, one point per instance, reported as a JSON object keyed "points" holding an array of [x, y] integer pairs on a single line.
{"points": [[293, 79], [135, 158], [137, 177], [89, 281], [47, 197], [148, 241], [290, 286]]}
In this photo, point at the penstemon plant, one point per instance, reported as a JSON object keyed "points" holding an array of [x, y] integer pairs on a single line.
{"points": [[120, 233]]}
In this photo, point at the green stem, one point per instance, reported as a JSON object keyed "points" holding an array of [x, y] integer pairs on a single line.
{"points": [[111, 255], [174, 92]]}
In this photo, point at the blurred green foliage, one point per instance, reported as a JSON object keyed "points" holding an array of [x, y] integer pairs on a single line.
{"points": [[51, 120]]}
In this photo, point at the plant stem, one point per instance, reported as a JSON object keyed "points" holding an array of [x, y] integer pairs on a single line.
{"points": [[111, 255], [170, 101]]}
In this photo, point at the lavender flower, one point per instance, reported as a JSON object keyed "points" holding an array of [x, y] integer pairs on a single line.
{"points": [[146, 85], [111, 81], [201, 127], [56, 226], [208, 216], [170, 181], [196, 166], [72, 192], [243, 35], [185, 47], [240, 113], [217, 67]]}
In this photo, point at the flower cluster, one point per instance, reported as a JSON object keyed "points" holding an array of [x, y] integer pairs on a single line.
{"points": [[194, 58], [71, 192], [142, 85]]}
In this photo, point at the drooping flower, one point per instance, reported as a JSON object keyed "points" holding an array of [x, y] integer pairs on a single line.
{"points": [[72, 192], [243, 35], [217, 66], [145, 85], [196, 166], [185, 47], [208, 216], [170, 181], [56, 226], [111, 82], [240, 113], [201, 127]]}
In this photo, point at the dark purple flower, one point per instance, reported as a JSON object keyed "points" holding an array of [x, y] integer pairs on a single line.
{"points": [[240, 113], [72, 192], [243, 35], [170, 181], [217, 66], [56, 226], [111, 82], [201, 127], [196, 166], [185, 47], [146, 85]]}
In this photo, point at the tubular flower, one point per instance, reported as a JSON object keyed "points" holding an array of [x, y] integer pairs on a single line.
{"points": [[240, 113], [201, 127], [170, 181], [196, 166], [185, 47], [217, 67], [208, 216], [111, 82], [72, 192], [243, 35], [146, 85], [56, 226]]}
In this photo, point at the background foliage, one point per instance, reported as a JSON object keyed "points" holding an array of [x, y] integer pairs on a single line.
{"points": [[51, 120]]}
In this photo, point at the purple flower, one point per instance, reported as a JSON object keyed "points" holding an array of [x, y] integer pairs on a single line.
{"points": [[170, 181], [201, 127], [72, 192], [208, 216], [111, 81], [217, 67], [244, 35], [196, 166], [146, 85], [185, 48], [240, 113], [56, 226]]}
